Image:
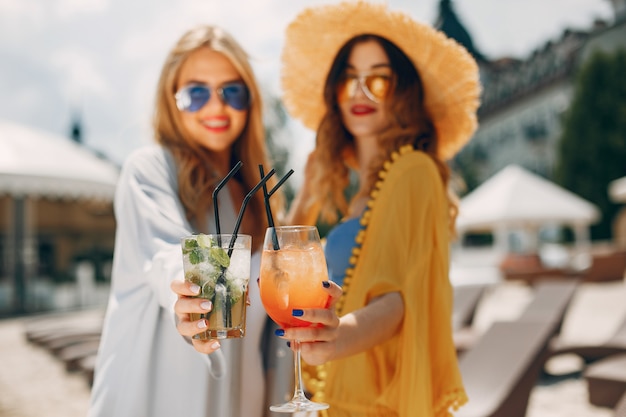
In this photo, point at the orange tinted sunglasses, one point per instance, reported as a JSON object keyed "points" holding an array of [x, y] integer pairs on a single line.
{"points": [[374, 86]]}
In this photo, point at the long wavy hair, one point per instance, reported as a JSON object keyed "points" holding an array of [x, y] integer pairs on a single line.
{"points": [[410, 124], [197, 177]]}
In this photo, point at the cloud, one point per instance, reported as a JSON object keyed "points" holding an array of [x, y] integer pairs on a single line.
{"points": [[79, 72], [30, 93], [105, 55], [517, 28], [68, 9], [17, 14]]}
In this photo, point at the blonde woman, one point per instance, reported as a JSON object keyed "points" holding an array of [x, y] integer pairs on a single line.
{"points": [[207, 117], [391, 100]]}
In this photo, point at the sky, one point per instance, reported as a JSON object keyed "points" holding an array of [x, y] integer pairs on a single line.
{"points": [[101, 58]]}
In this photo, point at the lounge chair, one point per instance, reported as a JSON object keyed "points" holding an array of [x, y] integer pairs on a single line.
{"points": [[87, 365], [607, 264], [72, 338], [551, 297], [620, 409], [501, 369], [592, 352], [58, 344], [52, 333], [466, 299], [606, 380], [73, 354], [503, 366], [550, 301]]}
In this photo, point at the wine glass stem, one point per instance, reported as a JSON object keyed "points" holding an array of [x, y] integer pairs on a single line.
{"points": [[298, 394]]}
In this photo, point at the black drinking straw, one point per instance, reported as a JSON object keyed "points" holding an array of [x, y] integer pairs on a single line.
{"points": [[222, 279], [266, 197], [279, 183], [268, 208], [217, 189], [243, 208]]}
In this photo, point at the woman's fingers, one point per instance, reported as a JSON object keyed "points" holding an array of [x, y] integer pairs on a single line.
{"points": [[310, 334], [317, 353], [190, 328], [324, 316], [205, 346], [192, 305], [187, 304], [183, 307], [185, 288], [334, 291], [325, 320]]}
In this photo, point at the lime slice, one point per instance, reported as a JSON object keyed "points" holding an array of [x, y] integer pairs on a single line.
{"points": [[208, 290], [205, 241]]}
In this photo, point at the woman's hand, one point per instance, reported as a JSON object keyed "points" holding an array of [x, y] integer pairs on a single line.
{"points": [[318, 343], [355, 332], [186, 304]]}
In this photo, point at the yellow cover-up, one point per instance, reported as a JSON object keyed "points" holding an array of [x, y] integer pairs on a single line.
{"points": [[405, 245]]}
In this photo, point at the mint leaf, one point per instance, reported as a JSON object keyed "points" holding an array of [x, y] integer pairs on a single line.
{"points": [[196, 255], [191, 243], [188, 245], [218, 257]]}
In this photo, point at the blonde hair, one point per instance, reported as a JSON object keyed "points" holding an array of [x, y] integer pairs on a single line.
{"points": [[410, 124], [196, 177]]}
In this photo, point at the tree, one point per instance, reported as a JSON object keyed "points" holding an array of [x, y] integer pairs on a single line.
{"points": [[465, 169], [275, 122], [592, 148]]}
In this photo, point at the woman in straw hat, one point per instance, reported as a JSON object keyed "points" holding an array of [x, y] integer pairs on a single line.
{"points": [[207, 117], [391, 99]]}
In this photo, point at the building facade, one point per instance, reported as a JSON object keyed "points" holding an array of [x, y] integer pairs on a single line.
{"points": [[523, 100]]}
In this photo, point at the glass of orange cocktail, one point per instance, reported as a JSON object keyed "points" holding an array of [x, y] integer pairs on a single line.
{"points": [[293, 268]]}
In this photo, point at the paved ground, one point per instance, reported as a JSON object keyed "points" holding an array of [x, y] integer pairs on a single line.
{"points": [[34, 384]]}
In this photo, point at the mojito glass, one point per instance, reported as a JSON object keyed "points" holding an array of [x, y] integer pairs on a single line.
{"points": [[220, 265]]}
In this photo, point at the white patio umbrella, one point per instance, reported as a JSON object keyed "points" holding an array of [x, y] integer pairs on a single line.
{"points": [[617, 190], [517, 198], [36, 164]]}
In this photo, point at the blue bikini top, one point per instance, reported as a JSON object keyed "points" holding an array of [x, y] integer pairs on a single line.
{"points": [[339, 243]]}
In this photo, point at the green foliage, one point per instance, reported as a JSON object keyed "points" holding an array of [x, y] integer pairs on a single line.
{"points": [[276, 119], [353, 187], [465, 172], [593, 144]]}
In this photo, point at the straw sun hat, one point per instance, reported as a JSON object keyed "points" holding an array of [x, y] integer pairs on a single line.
{"points": [[449, 73]]}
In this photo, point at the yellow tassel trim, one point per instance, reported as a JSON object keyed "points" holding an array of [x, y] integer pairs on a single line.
{"points": [[316, 383]]}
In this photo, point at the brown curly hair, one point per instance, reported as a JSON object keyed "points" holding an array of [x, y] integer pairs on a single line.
{"points": [[196, 177], [410, 124]]}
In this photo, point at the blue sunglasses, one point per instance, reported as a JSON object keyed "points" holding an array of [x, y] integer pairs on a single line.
{"points": [[192, 97]]}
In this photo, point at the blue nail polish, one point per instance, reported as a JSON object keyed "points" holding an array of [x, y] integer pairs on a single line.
{"points": [[279, 332], [326, 284], [288, 344], [297, 313]]}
